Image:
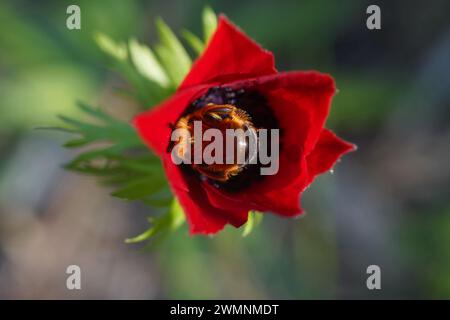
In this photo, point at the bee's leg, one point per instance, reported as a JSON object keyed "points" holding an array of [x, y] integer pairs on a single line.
{"points": [[216, 175]]}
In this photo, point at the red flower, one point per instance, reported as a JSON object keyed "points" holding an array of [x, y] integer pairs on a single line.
{"points": [[234, 70]]}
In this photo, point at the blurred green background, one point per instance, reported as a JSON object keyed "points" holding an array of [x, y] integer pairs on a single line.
{"points": [[387, 204]]}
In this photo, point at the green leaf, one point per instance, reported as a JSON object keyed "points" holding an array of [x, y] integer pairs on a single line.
{"points": [[148, 164], [254, 218], [117, 50], [105, 129], [150, 84], [157, 202], [171, 52], [146, 63], [56, 128], [137, 174], [111, 152], [209, 23], [160, 199], [195, 42], [141, 188], [177, 216], [162, 225]]}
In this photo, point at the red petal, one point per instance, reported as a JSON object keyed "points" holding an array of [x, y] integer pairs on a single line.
{"points": [[154, 125], [202, 217], [284, 201], [230, 52], [301, 102], [327, 151], [306, 94]]}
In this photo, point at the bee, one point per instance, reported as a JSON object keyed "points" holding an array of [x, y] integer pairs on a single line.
{"points": [[221, 117]]}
